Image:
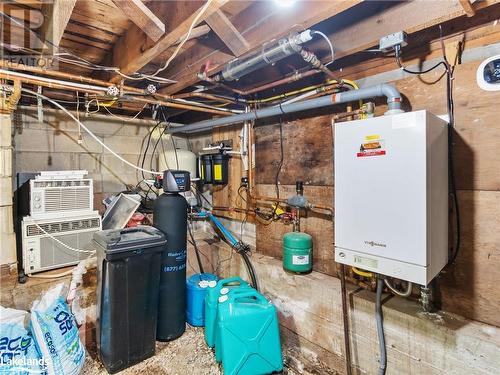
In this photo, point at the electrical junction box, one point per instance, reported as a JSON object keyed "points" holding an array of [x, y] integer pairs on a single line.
{"points": [[391, 195]]}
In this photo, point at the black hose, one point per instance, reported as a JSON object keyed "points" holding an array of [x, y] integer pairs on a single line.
{"points": [[251, 270], [380, 327], [196, 250]]}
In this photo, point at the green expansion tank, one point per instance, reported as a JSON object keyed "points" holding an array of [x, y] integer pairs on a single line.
{"points": [[297, 252]]}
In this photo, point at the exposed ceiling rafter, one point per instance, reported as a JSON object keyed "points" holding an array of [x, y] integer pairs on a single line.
{"points": [[142, 17], [132, 51]]}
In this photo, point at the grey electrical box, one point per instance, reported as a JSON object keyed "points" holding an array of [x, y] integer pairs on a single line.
{"points": [[388, 42]]}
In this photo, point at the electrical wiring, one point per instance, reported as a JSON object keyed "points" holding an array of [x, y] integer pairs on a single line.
{"points": [[329, 44], [90, 132], [449, 70], [59, 241], [125, 118], [186, 38], [81, 61]]}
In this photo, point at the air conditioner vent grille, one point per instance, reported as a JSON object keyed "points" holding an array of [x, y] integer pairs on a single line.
{"points": [[67, 199], [61, 183], [60, 227]]}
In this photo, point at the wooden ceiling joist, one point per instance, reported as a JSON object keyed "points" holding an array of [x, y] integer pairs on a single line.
{"points": [[143, 17], [301, 16], [407, 16], [467, 6], [131, 52], [57, 14], [226, 31]]}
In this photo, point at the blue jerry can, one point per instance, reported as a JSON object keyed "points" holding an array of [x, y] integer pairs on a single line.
{"points": [[211, 301], [249, 335], [197, 286]]}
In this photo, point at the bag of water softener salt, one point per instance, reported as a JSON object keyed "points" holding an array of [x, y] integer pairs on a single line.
{"points": [[18, 353], [56, 334]]}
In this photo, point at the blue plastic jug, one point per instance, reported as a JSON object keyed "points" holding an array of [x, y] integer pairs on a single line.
{"points": [[249, 335], [211, 301], [197, 286]]}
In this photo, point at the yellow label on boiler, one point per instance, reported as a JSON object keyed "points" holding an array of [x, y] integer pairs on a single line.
{"points": [[372, 137], [218, 172]]}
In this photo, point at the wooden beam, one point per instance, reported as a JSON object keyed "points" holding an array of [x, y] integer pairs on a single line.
{"points": [[468, 9], [143, 17], [33, 18], [57, 14], [226, 31], [407, 16], [131, 52], [258, 31]]}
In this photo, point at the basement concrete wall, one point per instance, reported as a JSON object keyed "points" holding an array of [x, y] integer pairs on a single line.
{"points": [[53, 145], [7, 236]]}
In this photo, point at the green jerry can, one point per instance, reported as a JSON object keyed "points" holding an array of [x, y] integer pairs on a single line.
{"points": [[211, 302], [249, 335], [225, 293], [297, 252]]}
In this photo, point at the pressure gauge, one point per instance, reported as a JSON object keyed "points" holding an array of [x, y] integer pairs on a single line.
{"points": [[488, 74]]}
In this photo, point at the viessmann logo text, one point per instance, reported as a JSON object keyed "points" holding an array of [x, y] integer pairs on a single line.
{"points": [[373, 243]]}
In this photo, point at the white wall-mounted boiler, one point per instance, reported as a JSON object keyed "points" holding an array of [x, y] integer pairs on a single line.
{"points": [[391, 195]]}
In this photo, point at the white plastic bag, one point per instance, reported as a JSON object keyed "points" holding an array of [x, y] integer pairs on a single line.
{"points": [[18, 352], [56, 334]]}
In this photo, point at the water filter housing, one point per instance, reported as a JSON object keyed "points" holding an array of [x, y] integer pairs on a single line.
{"points": [[391, 195]]}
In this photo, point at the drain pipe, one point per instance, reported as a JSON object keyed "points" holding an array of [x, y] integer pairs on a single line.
{"points": [[389, 91]]}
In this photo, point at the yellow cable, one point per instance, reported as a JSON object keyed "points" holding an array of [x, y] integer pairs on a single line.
{"points": [[361, 273], [304, 89]]}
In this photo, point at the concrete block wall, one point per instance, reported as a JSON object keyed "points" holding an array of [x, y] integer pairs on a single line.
{"points": [[31, 145], [53, 145], [7, 237]]}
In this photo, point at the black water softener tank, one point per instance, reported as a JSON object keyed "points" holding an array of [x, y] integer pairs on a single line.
{"points": [[170, 216]]}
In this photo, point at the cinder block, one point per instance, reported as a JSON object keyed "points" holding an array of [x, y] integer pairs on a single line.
{"points": [[6, 220], [8, 248], [34, 140], [124, 144], [5, 191], [68, 142], [44, 161], [89, 162], [5, 131], [5, 162]]}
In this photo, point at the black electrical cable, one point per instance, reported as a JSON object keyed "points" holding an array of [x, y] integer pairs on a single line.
{"points": [[196, 250], [250, 269], [449, 70], [380, 327]]}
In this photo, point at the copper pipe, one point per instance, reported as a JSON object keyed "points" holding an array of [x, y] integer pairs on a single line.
{"points": [[203, 95], [62, 86], [274, 200], [81, 79], [34, 81], [233, 209], [270, 85], [295, 77], [345, 316], [180, 106], [74, 77]]}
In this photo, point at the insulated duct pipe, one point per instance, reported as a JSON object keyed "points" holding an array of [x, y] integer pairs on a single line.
{"points": [[384, 89]]}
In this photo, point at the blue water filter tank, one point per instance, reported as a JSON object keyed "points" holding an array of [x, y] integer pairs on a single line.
{"points": [[197, 286]]}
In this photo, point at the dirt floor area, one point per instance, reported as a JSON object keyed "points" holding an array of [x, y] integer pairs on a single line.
{"points": [[188, 355]]}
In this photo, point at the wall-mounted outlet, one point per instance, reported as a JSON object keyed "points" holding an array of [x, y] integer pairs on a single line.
{"points": [[388, 42]]}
